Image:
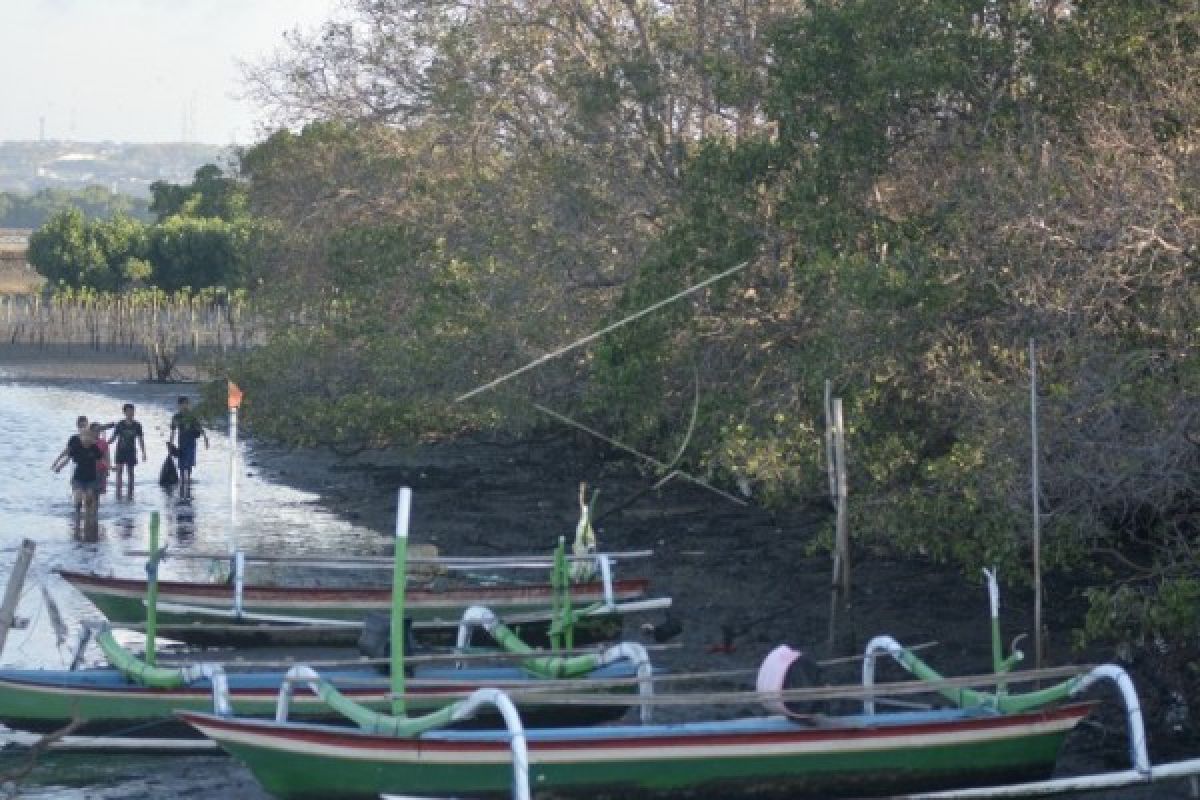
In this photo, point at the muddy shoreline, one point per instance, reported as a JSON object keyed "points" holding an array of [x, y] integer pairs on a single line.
{"points": [[743, 579]]}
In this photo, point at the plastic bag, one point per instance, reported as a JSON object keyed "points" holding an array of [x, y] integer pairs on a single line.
{"points": [[168, 476]]}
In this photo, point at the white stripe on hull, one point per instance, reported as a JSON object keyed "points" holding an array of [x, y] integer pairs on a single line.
{"points": [[584, 751]]}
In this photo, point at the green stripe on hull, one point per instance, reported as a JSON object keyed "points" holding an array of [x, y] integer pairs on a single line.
{"points": [[38, 708], [41, 707], [811, 775], [23, 708]]}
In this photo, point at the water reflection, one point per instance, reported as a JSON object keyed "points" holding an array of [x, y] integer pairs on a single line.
{"points": [[35, 503]]}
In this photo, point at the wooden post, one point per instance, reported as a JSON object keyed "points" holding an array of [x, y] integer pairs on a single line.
{"points": [[1035, 492], [830, 466], [12, 592], [842, 530], [835, 448]]}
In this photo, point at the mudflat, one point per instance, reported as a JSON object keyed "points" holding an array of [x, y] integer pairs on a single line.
{"points": [[63, 361], [743, 578]]}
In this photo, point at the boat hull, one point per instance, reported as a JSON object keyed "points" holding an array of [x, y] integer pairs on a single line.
{"points": [[123, 600], [435, 614], [774, 756], [109, 704]]}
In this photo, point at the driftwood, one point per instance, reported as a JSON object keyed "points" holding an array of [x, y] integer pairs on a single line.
{"points": [[12, 778]]}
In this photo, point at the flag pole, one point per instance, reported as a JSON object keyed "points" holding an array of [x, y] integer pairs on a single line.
{"points": [[235, 400]]}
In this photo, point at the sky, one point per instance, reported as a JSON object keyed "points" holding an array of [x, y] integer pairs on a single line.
{"points": [[138, 70]]}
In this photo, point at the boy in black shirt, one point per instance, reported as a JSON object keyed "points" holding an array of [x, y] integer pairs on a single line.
{"points": [[82, 449], [188, 426], [81, 424], [128, 435]]}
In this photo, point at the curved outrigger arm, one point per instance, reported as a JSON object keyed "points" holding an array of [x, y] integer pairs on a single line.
{"points": [[140, 672], [556, 666], [1002, 700], [1005, 702], [409, 727]]}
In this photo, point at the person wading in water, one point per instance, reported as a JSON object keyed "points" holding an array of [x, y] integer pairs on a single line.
{"points": [[188, 426], [128, 436], [83, 450]]}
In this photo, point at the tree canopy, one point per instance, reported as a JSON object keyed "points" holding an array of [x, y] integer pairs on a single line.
{"points": [[19, 210], [203, 237], [919, 189]]}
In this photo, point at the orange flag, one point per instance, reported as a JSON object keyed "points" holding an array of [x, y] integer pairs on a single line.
{"points": [[235, 395]]}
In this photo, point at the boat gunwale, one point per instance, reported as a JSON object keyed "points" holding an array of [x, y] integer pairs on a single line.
{"points": [[134, 588], [775, 730]]}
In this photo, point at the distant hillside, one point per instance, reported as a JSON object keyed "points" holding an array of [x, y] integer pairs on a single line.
{"points": [[26, 167], [20, 210]]}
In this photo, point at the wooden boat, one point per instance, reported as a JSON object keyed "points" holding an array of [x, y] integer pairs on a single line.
{"points": [[984, 737], [238, 613], [202, 613], [110, 703], [851, 756], [136, 697]]}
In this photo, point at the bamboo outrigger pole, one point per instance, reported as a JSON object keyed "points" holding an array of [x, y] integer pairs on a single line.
{"points": [[152, 590], [603, 331], [399, 582]]}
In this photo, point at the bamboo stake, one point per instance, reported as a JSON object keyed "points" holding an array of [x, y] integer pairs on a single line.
{"points": [[12, 592], [603, 331], [836, 447], [1035, 492], [833, 601], [842, 532], [830, 467], [648, 459]]}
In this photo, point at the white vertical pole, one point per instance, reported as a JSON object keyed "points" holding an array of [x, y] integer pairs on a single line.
{"points": [[233, 477], [399, 586], [1035, 492]]}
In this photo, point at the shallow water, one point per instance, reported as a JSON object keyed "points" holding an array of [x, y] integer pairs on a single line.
{"points": [[35, 503], [473, 504]]}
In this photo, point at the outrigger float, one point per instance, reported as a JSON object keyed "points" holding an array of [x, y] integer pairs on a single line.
{"points": [[983, 738], [131, 704]]}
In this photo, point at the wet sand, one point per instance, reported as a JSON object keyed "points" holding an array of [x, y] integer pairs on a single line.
{"points": [[743, 579], [55, 362]]}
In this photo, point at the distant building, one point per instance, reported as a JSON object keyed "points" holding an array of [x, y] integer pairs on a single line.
{"points": [[16, 275]]}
